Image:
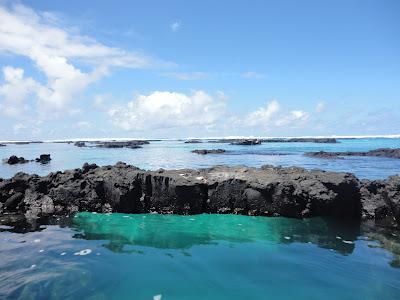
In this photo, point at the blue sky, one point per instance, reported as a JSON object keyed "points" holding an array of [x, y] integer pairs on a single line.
{"points": [[166, 69]]}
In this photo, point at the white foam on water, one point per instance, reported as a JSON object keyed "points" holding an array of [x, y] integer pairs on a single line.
{"points": [[338, 237], [36, 241], [41, 250], [63, 253], [157, 297], [287, 237], [348, 242], [83, 252], [191, 219], [33, 266]]}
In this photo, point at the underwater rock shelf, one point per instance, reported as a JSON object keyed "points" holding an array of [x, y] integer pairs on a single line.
{"points": [[268, 191]]}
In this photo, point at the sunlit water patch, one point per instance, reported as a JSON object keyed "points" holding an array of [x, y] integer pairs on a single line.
{"points": [[122, 256]]}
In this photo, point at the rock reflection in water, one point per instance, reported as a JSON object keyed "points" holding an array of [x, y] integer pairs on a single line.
{"points": [[183, 232]]}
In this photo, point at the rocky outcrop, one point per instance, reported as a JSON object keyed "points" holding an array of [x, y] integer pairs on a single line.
{"points": [[246, 142], [278, 140], [80, 144], [382, 152], [206, 151], [266, 191], [13, 160], [128, 144], [193, 142], [302, 140], [43, 158]]}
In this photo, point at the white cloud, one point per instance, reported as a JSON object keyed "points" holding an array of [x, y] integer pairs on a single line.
{"points": [[186, 75], [55, 52], [161, 110], [263, 115], [320, 107], [253, 75], [14, 91], [175, 26], [295, 117]]}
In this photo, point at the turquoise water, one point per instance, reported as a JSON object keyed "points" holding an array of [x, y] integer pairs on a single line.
{"points": [[176, 154], [198, 257]]}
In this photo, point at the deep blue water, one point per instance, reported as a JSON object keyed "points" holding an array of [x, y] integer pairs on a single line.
{"points": [[176, 154]]}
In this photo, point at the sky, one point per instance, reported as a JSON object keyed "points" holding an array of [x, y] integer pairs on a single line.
{"points": [[175, 69]]}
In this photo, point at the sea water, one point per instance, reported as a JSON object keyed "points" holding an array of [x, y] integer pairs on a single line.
{"points": [[121, 256], [150, 256], [176, 154]]}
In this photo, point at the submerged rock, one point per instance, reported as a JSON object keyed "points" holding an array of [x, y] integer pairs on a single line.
{"points": [[205, 151], [382, 152], [2, 145], [267, 191]]}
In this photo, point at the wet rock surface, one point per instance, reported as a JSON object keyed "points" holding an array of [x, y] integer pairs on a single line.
{"points": [[206, 151], [266, 191], [382, 152]]}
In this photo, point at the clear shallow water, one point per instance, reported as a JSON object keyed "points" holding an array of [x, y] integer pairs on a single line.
{"points": [[198, 257], [176, 154]]}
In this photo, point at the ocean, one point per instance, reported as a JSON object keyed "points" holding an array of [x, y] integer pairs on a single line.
{"points": [[163, 257]]}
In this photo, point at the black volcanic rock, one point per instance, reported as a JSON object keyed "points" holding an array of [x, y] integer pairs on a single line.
{"points": [[206, 151], [80, 144], [246, 142], [301, 140], [43, 158], [382, 152], [128, 144], [266, 191], [13, 160], [193, 142]]}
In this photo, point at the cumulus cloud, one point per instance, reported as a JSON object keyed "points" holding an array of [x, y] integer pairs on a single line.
{"points": [[161, 110], [14, 91], [263, 115], [295, 117], [55, 52]]}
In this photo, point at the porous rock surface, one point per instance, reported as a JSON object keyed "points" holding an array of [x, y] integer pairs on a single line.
{"points": [[267, 191]]}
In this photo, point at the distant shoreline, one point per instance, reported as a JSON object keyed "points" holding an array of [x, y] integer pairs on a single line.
{"points": [[388, 136]]}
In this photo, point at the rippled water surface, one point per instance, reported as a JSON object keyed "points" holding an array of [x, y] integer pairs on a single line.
{"points": [[119, 256], [176, 154]]}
